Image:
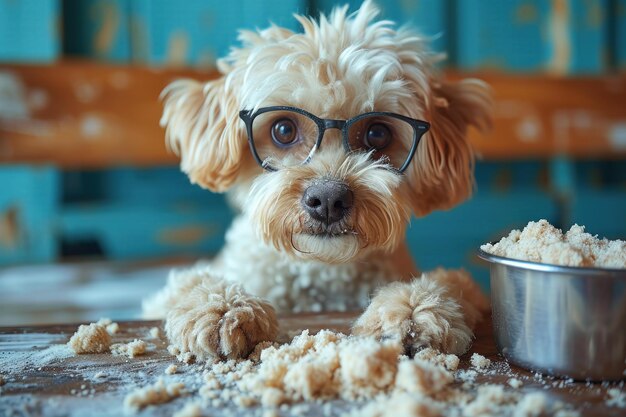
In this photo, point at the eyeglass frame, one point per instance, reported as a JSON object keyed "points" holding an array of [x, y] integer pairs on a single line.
{"points": [[248, 117]]}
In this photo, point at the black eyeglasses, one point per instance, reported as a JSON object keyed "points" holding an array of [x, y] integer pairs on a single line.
{"points": [[283, 136]]}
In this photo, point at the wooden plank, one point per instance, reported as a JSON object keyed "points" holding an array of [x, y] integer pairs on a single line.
{"points": [[546, 116], [83, 114], [43, 380]]}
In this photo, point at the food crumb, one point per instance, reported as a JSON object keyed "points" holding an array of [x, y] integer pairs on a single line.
{"points": [[110, 326], [244, 401], [271, 412], [515, 383], [155, 332], [113, 328], [90, 338], [131, 349], [171, 370], [616, 398], [186, 357], [191, 409], [100, 375], [449, 361], [478, 361], [400, 404], [157, 393], [533, 404], [567, 413], [173, 350], [467, 375], [421, 377]]}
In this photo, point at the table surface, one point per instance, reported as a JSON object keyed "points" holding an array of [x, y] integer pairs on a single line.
{"points": [[43, 378]]}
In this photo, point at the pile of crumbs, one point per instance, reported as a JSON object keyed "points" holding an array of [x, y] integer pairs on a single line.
{"points": [[158, 393], [479, 361], [330, 373], [541, 242], [616, 398], [374, 376]]}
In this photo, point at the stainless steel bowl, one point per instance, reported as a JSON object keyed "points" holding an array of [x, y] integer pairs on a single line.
{"points": [[564, 321]]}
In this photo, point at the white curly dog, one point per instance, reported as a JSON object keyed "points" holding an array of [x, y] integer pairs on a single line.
{"points": [[327, 141]]}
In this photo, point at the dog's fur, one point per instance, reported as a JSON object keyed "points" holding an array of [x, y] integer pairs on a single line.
{"points": [[339, 67]]}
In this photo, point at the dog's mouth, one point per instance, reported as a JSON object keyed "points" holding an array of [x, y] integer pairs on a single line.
{"points": [[330, 235], [332, 231]]}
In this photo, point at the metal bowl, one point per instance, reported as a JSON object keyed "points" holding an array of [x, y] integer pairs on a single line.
{"points": [[560, 320]]}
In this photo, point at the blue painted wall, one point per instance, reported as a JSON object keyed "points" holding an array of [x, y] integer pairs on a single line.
{"points": [[430, 18], [195, 32], [562, 37], [97, 29], [619, 33], [29, 207], [30, 30]]}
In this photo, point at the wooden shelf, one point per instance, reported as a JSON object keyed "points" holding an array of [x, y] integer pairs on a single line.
{"points": [[544, 116], [82, 114], [86, 114]]}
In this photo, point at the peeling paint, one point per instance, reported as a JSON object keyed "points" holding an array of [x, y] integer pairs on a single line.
{"points": [[38, 99], [512, 109], [560, 38], [187, 235], [91, 126], [9, 228], [105, 36], [560, 126], [13, 103], [120, 80], [86, 92], [28, 127], [529, 129], [582, 119], [617, 136], [177, 49]]}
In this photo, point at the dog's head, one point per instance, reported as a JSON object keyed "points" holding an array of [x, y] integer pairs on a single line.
{"points": [[323, 133]]}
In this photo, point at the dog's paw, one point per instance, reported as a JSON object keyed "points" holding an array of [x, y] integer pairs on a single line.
{"points": [[216, 320], [424, 313]]}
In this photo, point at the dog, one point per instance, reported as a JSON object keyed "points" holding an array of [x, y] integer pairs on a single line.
{"points": [[327, 142]]}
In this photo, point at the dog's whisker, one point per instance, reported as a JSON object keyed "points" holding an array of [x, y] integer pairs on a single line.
{"points": [[293, 245]]}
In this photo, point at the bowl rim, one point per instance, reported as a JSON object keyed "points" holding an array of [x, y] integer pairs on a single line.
{"points": [[543, 267]]}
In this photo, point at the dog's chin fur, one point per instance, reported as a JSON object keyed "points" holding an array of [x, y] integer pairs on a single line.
{"points": [[330, 250], [376, 222]]}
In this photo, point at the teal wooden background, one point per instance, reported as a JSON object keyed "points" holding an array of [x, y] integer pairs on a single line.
{"points": [[47, 214], [30, 30], [567, 37]]}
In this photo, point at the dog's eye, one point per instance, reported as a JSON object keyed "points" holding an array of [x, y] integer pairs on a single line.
{"points": [[378, 136], [284, 132]]}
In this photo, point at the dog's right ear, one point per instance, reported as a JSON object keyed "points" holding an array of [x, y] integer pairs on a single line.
{"points": [[203, 128]]}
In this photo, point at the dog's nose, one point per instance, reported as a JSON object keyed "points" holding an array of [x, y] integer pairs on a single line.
{"points": [[327, 201]]}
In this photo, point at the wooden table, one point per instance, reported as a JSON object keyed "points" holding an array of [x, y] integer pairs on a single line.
{"points": [[37, 384]]}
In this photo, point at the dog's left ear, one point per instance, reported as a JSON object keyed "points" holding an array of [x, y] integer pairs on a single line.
{"points": [[203, 128], [441, 174]]}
